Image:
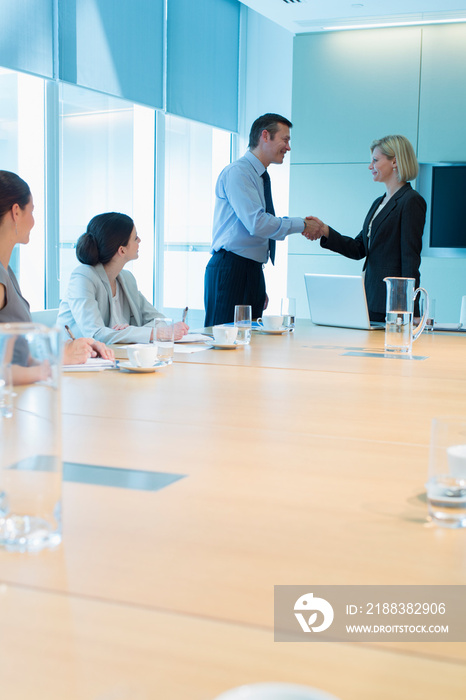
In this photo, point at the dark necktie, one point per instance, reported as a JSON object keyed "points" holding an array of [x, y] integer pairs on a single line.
{"points": [[269, 209]]}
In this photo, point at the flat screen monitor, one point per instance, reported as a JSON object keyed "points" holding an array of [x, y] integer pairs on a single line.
{"points": [[443, 186]]}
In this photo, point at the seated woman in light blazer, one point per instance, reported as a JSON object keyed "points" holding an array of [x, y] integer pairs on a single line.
{"points": [[391, 236], [103, 300]]}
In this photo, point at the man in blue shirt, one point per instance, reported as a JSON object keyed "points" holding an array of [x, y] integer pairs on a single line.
{"points": [[245, 227]]}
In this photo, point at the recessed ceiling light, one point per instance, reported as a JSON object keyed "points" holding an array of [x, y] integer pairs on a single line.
{"points": [[381, 25]]}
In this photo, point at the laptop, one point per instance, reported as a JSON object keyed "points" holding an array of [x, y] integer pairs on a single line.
{"points": [[339, 300]]}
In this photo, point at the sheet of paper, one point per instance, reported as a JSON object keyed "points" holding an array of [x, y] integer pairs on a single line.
{"points": [[191, 347]]}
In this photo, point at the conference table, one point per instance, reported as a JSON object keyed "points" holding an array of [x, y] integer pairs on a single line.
{"points": [[192, 491]]}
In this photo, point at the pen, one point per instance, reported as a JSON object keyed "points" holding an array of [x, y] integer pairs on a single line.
{"points": [[68, 330], [185, 313]]}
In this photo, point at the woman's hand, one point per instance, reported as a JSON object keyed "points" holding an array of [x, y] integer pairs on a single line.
{"points": [[181, 329], [77, 352], [314, 228], [120, 326], [101, 350], [30, 375]]}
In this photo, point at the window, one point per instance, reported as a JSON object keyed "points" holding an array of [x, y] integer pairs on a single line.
{"points": [[195, 154], [22, 150], [106, 164], [85, 153]]}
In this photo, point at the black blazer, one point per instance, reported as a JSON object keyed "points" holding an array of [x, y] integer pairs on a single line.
{"points": [[394, 247]]}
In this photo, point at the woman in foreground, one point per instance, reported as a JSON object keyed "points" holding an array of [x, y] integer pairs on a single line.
{"points": [[16, 222]]}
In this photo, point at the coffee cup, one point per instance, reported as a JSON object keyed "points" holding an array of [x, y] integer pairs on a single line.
{"points": [[141, 355], [271, 323], [225, 334]]}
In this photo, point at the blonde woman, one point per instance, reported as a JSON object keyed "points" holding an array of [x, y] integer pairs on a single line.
{"points": [[391, 236]]}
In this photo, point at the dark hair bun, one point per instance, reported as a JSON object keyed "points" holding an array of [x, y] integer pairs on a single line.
{"points": [[104, 236], [86, 249]]}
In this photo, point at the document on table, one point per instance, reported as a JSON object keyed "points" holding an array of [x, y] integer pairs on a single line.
{"points": [[194, 338], [188, 343], [192, 342], [93, 364]]}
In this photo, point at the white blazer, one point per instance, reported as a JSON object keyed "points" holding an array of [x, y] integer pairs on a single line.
{"points": [[88, 308]]}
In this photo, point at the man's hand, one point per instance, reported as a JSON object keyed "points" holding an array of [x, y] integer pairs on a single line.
{"points": [[314, 228]]}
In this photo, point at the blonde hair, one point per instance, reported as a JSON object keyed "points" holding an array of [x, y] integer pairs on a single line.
{"points": [[400, 148]]}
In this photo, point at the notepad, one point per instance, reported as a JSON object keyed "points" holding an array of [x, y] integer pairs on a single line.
{"points": [[93, 364]]}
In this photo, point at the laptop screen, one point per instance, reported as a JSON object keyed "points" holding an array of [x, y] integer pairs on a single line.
{"points": [[338, 300]]}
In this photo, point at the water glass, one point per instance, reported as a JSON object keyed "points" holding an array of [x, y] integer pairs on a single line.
{"points": [[446, 487], [243, 322], [463, 312], [30, 437], [164, 338], [288, 311]]}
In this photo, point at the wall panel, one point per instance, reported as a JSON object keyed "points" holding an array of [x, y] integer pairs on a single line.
{"points": [[442, 133], [352, 87]]}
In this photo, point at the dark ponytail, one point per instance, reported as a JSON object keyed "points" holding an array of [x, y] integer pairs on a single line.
{"points": [[105, 234], [13, 190]]}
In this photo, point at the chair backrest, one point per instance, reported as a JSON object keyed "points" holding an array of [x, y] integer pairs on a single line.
{"points": [[48, 317]]}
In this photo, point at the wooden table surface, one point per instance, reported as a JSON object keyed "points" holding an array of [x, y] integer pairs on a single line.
{"points": [[303, 465]]}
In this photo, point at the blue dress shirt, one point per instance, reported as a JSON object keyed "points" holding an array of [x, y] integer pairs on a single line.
{"points": [[241, 224]]}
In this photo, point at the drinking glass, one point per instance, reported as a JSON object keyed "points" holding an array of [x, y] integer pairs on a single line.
{"points": [[463, 312], [288, 311], [164, 338], [446, 487], [243, 322], [30, 437]]}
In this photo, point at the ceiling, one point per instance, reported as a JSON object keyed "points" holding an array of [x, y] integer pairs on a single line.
{"points": [[301, 16]]}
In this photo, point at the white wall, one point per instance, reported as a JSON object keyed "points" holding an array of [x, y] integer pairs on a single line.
{"points": [[348, 89]]}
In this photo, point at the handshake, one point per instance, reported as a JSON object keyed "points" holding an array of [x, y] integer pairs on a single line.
{"points": [[314, 228]]}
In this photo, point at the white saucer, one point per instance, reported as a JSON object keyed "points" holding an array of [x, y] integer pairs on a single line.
{"points": [[222, 346], [275, 331], [128, 367]]}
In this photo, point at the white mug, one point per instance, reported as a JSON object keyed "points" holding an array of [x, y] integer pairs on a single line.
{"points": [[271, 323], [142, 355], [225, 334]]}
